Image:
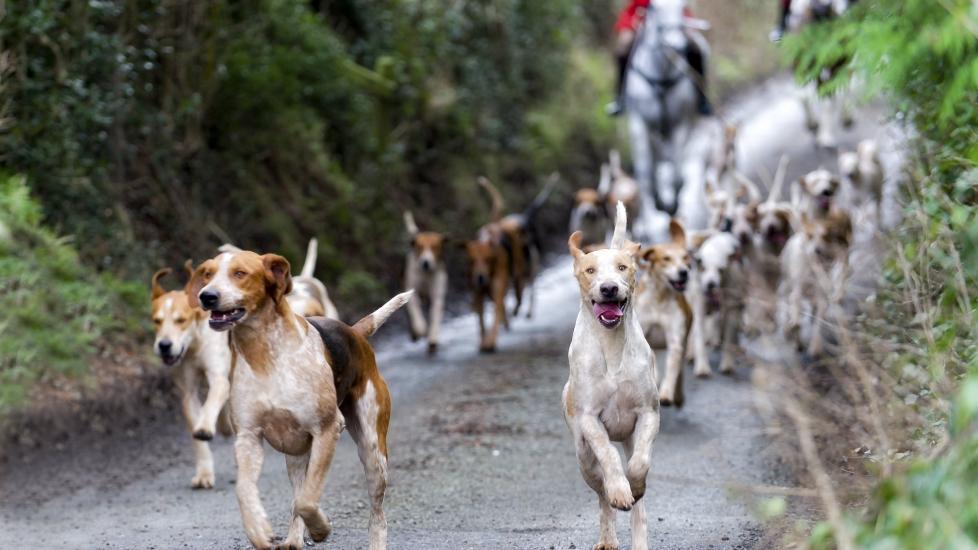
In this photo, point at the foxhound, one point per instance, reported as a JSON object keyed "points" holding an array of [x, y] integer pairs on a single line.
{"points": [[425, 273], [611, 393], [296, 382], [198, 355]]}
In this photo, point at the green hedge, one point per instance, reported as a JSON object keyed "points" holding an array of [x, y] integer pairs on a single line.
{"points": [[922, 56], [56, 313], [155, 130]]}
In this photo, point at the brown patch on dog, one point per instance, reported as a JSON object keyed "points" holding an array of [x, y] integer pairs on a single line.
{"points": [[202, 275], [569, 403], [429, 240], [284, 433]]}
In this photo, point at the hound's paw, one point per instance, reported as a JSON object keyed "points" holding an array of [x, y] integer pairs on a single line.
{"points": [[260, 535], [290, 545], [317, 523], [203, 434], [666, 396], [432, 348], [619, 495], [487, 348], [702, 370], [606, 546], [203, 480]]}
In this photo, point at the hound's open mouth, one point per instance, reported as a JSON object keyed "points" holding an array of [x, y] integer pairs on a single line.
{"points": [[170, 360], [609, 314], [824, 202], [223, 320], [713, 302], [678, 286], [777, 238]]}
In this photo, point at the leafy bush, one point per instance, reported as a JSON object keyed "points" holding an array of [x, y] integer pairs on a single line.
{"points": [[54, 311], [155, 130], [923, 57]]}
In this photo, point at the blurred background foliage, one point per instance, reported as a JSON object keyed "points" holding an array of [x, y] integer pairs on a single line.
{"points": [[154, 130], [151, 131], [922, 56]]}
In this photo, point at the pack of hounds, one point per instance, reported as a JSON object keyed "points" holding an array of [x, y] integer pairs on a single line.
{"points": [[275, 364]]}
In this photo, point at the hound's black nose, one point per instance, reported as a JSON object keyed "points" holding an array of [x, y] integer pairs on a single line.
{"points": [[208, 299], [165, 346], [727, 225], [828, 193], [482, 280], [426, 265], [683, 275], [711, 285], [609, 290]]}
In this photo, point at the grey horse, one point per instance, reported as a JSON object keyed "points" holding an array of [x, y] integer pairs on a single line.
{"points": [[661, 100]]}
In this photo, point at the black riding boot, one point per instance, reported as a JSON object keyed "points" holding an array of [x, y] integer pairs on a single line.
{"points": [[617, 106], [695, 59]]}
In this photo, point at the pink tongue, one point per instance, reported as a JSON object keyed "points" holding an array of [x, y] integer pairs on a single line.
{"points": [[609, 311]]}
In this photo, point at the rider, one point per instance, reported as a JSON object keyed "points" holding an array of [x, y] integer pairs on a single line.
{"points": [[626, 27], [782, 26]]}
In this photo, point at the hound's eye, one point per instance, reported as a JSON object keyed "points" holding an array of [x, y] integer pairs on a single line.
{"points": [[239, 274], [180, 320], [157, 321], [622, 267], [589, 271]]}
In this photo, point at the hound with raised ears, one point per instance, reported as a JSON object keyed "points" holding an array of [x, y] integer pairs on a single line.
{"points": [[425, 273], [295, 382], [816, 267], [661, 302], [611, 394], [198, 355]]}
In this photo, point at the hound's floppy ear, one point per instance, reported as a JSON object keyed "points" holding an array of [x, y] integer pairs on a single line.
{"points": [[155, 287], [278, 276], [195, 284], [631, 248], [677, 232], [647, 254], [188, 267], [574, 244]]}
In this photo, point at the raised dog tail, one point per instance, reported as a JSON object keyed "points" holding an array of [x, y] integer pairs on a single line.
{"points": [[494, 197], [309, 267], [541, 198], [621, 226], [369, 324]]}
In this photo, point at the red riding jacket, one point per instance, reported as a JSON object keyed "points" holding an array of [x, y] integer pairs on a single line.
{"points": [[631, 17]]}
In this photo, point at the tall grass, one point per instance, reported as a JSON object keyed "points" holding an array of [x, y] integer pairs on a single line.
{"points": [[896, 410]]}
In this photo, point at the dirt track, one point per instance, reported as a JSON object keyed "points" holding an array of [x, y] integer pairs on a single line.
{"points": [[480, 456]]}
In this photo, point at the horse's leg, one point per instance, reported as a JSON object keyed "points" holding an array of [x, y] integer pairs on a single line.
{"points": [[641, 141]]}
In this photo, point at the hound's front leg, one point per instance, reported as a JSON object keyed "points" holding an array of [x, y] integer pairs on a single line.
{"points": [[730, 344], [320, 459], [639, 449], [190, 402], [439, 288], [418, 327], [249, 455], [671, 391], [219, 388], [297, 466], [701, 355], [616, 488]]}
